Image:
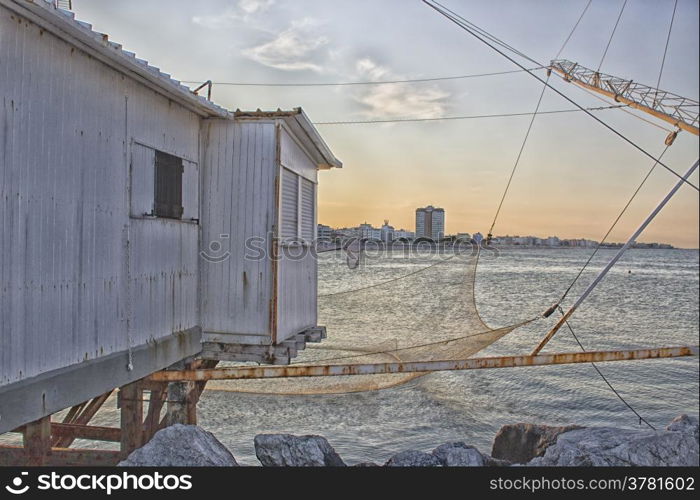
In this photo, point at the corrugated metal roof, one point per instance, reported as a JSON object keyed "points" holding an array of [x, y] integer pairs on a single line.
{"points": [[63, 24], [297, 119]]}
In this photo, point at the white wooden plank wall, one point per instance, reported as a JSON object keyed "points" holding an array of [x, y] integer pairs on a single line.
{"points": [[237, 200], [64, 206]]}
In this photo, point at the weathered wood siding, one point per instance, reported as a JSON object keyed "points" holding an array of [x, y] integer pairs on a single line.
{"points": [[238, 215], [68, 125]]}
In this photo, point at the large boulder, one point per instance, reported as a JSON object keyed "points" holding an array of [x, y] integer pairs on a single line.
{"points": [[459, 454], [607, 446], [520, 443], [181, 446], [286, 450], [412, 458]]}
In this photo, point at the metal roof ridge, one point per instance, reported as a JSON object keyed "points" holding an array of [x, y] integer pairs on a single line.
{"points": [[68, 26]]}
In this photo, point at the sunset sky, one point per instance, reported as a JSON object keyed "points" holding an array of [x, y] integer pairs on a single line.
{"points": [[574, 176]]}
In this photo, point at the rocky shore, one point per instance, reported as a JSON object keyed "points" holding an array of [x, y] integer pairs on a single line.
{"points": [[514, 445]]}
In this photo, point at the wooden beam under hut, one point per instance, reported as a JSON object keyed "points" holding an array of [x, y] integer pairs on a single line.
{"points": [[48, 443], [17, 456], [78, 415]]}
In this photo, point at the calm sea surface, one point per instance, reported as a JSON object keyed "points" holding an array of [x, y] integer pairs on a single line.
{"points": [[656, 304], [649, 299]]}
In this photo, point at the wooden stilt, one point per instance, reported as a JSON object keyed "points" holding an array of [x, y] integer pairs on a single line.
{"points": [[46, 443], [183, 396], [73, 413], [80, 415], [200, 385], [159, 392], [191, 404], [131, 405], [37, 441]]}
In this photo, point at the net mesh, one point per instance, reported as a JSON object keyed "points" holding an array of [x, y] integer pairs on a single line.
{"points": [[394, 308]]}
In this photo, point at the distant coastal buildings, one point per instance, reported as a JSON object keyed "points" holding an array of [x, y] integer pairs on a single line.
{"points": [[554, 241], [551, 241], [324, 233], [430, 224], [386, 233]]}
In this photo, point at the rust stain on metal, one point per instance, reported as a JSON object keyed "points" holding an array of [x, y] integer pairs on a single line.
{"points": [[243, 373]]}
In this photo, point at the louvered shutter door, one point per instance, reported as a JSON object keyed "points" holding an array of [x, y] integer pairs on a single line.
{"points": [[307, 210], [289, 205]]}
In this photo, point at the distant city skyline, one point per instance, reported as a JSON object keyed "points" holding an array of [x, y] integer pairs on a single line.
{"points": [[388, 233]]}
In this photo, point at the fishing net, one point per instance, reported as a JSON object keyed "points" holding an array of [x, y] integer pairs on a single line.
{"points": [[391, 308]]}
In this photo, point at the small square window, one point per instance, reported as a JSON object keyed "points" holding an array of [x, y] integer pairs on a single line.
{"points": [[168, 186]]}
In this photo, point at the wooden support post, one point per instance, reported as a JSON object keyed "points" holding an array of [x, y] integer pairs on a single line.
{"points": [[183, 396], [73, 413], [81, 415], [195, 393], [159, 392], [181, 408], [131, 405], [176, 410], [191, 404], [37, 441], [91, 432]]}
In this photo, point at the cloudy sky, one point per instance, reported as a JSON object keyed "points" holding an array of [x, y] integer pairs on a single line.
{"points": [[574, 175]]}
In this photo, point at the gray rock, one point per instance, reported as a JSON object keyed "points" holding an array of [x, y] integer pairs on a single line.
{"points": [[459, 454], [366, 464], [412, 458], [520, 443], [181, 446], [286, 450], [607, 446], [684, 423]]}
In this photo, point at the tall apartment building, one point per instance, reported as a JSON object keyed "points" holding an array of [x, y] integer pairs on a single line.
{"points": [[430, 223]]}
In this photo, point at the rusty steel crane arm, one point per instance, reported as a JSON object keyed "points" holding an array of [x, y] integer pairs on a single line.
{"points": [[679, 111], [295, 371]]}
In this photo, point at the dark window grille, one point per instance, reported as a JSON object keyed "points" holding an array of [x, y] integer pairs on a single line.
{"points": [[168, 186]]}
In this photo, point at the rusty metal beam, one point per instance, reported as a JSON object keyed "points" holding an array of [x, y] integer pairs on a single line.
{"points": [[258, 372]]}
